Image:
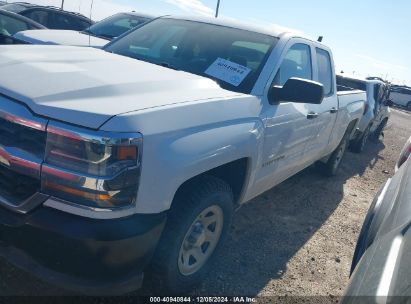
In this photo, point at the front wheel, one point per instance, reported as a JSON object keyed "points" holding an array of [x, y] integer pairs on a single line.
{"points": [[196, 227]]}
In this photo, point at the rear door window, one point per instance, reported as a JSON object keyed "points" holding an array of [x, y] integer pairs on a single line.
{"points": [[325, 75]]}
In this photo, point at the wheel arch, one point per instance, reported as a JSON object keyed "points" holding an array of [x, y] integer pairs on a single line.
{"points": [[235, 174]]}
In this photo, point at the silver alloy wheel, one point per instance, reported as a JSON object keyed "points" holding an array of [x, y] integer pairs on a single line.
{"points": [[200, 240]]}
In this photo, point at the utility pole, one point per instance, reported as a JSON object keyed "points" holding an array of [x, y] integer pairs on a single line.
{"points": [[62, 4], [217, 9]]}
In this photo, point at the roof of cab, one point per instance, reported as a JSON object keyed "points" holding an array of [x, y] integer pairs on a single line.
{"points": [[273, 30]]}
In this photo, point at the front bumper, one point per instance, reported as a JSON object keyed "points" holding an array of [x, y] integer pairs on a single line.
{"points": [[97, 257]]}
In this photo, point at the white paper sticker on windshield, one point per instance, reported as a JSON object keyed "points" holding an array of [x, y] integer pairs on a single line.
{"points": [[228, 71]]}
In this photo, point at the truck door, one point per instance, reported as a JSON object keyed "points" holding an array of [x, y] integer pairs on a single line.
{"points": [[328, 110], [288, 127]]}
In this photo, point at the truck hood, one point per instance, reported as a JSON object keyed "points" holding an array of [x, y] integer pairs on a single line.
{"points": [[87, 86], [63, 37]]}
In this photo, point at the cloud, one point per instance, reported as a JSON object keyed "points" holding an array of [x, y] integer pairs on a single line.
{"points": [[192, 6], [381, 64]]}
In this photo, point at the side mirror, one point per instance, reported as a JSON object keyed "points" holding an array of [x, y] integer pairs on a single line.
{"points": [[389, 103], [297, 90]]}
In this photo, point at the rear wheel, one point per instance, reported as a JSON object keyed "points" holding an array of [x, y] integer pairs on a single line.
{"points": [[330, 168], [196, 228]]}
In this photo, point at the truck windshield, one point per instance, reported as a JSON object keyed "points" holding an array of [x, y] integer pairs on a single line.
{"points": [[232, 57], [116, 25]]}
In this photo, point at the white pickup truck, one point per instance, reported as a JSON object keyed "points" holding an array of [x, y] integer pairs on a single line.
{"points": [[131, 159]]}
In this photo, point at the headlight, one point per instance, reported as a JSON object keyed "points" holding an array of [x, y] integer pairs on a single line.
{"points": [[92, 168]]}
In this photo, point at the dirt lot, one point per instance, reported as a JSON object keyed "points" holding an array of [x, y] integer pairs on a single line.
{"points": [[296, 239]]}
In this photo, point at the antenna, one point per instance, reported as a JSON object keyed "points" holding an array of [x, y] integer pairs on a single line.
{"points": [[91, 11], [62, 4], [217, 8], [320, 39]]}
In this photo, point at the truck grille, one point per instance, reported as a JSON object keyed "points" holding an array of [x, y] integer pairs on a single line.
{"points": [[22, 148], [21, 137], [17, 188]]}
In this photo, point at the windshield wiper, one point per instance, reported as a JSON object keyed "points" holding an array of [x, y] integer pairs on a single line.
{"points": [[163, 64], [167, 65]]}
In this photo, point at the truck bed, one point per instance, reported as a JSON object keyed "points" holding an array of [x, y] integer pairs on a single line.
{"points": [[351, 105]]}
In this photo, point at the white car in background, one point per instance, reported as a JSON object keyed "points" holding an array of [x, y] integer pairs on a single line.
{"points": [[401, 96], [97, 35]]}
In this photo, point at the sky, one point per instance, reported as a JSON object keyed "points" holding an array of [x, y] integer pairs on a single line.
{"points": [[367, 37]]}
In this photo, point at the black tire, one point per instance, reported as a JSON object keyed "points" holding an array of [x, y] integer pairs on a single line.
{"points": [[409, 106], [379, 131], [330, 168], [360, 143], [205, 192]]}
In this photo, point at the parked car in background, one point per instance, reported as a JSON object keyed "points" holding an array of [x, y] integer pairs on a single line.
{"points": [[401, 96], [135, 158], [381, 266], [377, 111], [11, 23], [97, 35], [50, 17]]}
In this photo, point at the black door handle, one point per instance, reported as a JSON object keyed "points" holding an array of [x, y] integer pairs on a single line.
{"points": [[333, 110], [312, 115]]}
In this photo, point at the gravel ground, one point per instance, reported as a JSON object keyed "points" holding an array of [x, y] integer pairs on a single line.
{"points": [[296, 239]]}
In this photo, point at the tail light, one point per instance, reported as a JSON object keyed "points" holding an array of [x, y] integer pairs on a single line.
{"points": [[405, 154], [96, 169]]}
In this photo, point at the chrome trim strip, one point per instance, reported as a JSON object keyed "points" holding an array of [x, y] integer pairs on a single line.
{"points": [[90, 212], [83, 181], [20, 161], [20, 115], [29, 204], [98, 137]]}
